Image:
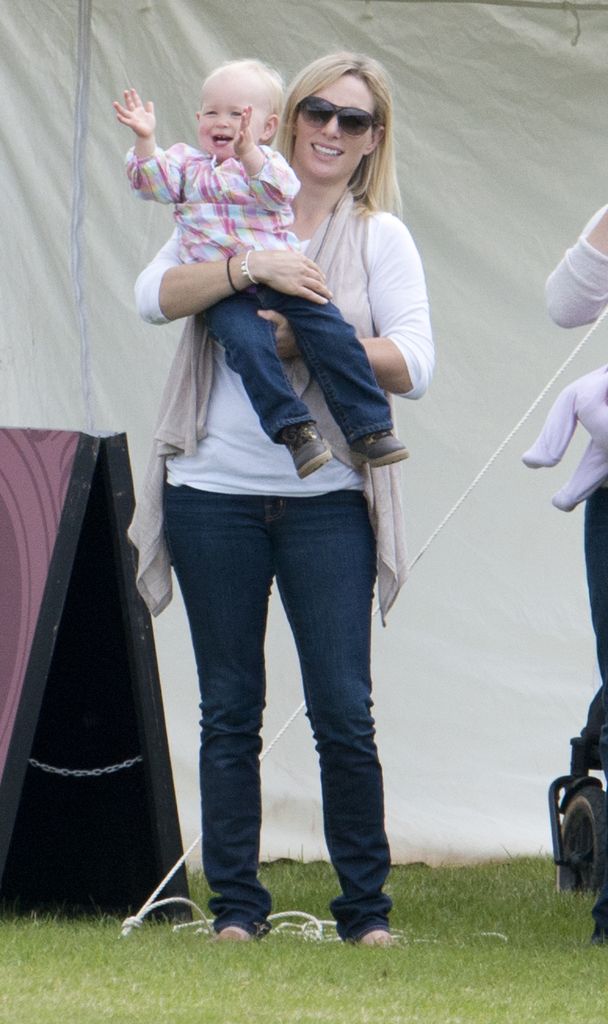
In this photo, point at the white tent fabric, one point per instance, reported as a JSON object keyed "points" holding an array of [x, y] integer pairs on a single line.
{"points": [[487, 664]]}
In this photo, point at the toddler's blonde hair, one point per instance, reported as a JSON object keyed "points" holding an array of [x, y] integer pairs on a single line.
{"points": [[269, 77]]}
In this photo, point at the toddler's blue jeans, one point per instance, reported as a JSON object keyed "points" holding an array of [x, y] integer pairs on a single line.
{"points": [[329, 347]]}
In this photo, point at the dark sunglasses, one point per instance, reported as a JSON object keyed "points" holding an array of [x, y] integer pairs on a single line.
{"points": [[351, 120]]}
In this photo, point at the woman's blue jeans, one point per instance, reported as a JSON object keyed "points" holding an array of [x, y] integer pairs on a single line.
{"points": [[226, 550], [329, 346], [596, 557]]}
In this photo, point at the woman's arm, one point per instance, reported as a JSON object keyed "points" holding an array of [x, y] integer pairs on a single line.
{"points": [[167, 289], [190, 288], [402, 354], [384, 357], [389, 366], [577, 290], [148, 283]]}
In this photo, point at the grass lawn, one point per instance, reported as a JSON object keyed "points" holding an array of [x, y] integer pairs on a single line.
{"points": [[489, 944]]}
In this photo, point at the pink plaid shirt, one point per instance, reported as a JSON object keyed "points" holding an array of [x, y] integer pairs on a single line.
{"points": [[218, 209]]}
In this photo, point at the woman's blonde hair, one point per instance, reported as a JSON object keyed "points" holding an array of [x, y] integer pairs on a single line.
{"points": [[374, 183], [269, 77]]}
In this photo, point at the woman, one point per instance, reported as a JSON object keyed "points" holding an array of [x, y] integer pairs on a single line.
{"points": [[577, 292], [236, 516]]}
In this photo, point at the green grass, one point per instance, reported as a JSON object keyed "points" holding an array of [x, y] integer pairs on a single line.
{"points": [[451, 968]]}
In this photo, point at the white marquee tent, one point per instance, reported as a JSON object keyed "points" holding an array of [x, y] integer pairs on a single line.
{"points": [[487, 664]]}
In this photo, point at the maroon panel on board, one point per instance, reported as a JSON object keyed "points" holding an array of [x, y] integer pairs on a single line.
{"points": [[35, 468], [79, 686]]}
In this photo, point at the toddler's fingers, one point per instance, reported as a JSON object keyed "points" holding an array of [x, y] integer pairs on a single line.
{"points": [[132, 99]]}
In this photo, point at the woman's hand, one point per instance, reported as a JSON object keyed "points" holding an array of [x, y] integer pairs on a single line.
{"points": [[189, 288], [290, 272], [285, 338]]}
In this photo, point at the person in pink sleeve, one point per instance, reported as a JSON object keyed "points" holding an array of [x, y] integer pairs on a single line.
{"points": [[577, 294], [233, 196]]}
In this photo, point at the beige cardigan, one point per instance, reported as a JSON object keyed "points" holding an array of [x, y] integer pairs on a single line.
{"points": [[339, 247]]}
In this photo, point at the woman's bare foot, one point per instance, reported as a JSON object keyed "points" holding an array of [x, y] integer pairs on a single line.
{"points": [[232, 933], [377, 937]]}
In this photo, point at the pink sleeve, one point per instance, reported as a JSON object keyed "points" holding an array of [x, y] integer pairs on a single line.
{"points": [[160, 177], [276, 185]]}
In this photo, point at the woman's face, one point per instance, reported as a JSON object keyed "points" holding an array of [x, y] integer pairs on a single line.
{"points": [[325, 153]]}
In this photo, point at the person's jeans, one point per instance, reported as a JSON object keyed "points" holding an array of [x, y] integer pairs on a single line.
{"points": [[329, 347], [596, 557], [225, 550]]}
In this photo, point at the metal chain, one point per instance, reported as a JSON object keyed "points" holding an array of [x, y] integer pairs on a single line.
{"points": [[82, 773]]}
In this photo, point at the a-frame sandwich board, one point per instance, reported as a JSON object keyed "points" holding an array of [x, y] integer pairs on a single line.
{"points": [[88, 816]]}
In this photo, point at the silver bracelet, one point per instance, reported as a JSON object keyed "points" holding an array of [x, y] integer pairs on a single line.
{"points": [[245, 271]]}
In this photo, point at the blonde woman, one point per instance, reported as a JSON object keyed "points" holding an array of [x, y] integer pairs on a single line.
{"points": [[221, 506], [234, 193]]}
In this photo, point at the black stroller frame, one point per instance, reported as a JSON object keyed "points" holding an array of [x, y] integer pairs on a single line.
{"points": [[577, 810]]}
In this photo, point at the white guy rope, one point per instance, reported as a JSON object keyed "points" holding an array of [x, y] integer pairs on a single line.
{"points": [[288, 922], [137, 919], [465, 494]]}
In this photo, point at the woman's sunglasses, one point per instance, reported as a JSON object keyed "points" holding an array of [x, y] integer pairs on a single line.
{"points": [[351, 120]]}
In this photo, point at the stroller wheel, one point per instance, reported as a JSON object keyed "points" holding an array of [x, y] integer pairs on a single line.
{"points": [[584, 841]]}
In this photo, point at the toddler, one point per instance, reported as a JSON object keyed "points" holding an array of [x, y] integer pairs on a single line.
{"points": [[233, 195]]}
